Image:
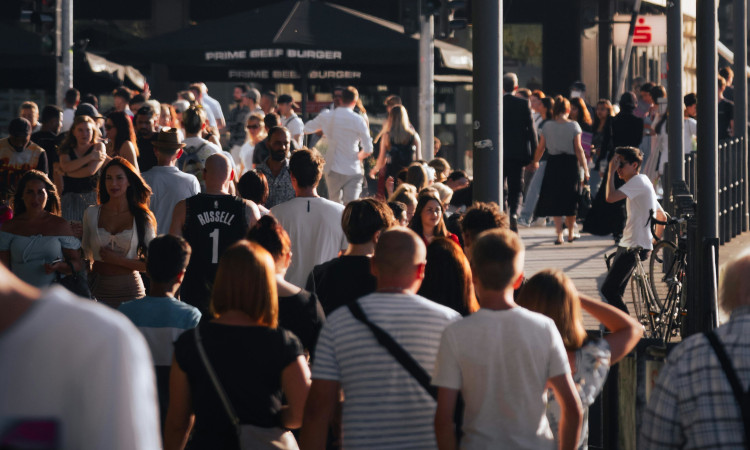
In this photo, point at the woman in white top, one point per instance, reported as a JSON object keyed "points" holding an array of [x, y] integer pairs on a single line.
{"points": [[116, 233]]}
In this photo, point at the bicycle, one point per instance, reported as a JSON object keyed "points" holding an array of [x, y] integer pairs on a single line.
{"points": [[657, 297], [667, 270]]}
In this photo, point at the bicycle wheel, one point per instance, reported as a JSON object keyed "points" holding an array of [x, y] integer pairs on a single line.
{"points": [[662, 271], [640, 307]]}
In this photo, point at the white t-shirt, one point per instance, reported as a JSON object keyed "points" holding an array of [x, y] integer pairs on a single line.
{"points": [[246, 156], [84, 367], [501, 361], [295, 126], [345, 131], [641, 199], [314, 226], [68, 117], [169, 185], [384, 406]]}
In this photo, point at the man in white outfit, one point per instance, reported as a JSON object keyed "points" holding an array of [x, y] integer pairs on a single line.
{"points": [[346, 131]]}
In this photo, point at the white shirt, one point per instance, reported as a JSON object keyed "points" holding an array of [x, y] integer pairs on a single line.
{"points": [[246, 156], [641, 199], [345, 130], [314, 226], [169, 185], [84, 367], [214, 106], [501, 361], [295, 126], [68, 117]]}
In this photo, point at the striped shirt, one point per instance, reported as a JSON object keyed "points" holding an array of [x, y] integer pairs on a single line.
{"points": [[385, 406], [692, 405]]}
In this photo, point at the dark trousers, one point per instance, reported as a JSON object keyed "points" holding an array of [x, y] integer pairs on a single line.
{"points": [[513, 175], [623, 265]]}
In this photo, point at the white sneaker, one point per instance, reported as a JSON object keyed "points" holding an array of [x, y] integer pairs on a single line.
{"points": [[539, 222]]}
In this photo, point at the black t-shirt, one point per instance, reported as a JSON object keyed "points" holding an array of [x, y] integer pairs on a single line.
{"points": [[212, 223], [726, 115], [303, 315], [248, 360], [146, 155], [48, 141], [341, 280]]}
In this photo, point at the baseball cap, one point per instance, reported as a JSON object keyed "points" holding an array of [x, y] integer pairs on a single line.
{"points": [[87, 109]]}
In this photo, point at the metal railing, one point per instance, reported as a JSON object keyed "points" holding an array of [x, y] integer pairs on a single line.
{"points": [[732, 192]]}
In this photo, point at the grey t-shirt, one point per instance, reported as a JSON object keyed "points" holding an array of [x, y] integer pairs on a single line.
{"points": [[559, 136]]}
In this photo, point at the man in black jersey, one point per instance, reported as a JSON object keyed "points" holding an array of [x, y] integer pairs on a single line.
{"points": [[210, 222]]}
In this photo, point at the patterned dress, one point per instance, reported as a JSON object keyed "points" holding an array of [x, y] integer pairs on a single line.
{"points": [[592, 366]]}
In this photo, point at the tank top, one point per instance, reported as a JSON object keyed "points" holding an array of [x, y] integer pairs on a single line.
{"points": [[212, 223], [80, 185]]}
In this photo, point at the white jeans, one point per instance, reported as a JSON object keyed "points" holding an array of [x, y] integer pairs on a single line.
{"points": [[348, 185]]}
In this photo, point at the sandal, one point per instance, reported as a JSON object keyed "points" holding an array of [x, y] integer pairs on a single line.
{"points": [[558, 242]]}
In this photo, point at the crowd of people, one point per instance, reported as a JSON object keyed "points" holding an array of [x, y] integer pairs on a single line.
{"points": [[262, 314]]}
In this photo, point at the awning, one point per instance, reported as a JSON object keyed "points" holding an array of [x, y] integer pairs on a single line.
{"points": [[101, 65]]}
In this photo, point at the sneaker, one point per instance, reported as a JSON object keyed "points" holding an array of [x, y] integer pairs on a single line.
{"points": [[539, 222], [524, 222]]}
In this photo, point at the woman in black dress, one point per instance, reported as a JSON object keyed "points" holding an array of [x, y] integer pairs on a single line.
{"points": [[561, 138]]}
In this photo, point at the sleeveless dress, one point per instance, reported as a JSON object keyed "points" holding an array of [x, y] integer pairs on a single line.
{"points": [[78, 193], [28, 254]]}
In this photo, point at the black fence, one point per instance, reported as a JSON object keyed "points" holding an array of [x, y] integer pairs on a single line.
{"points": [[732, 192]]}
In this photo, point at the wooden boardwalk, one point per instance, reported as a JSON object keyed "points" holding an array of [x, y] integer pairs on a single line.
{"points": [[583, 260]]}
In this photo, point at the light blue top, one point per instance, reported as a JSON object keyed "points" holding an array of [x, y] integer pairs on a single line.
{"points": [[28, 254]]}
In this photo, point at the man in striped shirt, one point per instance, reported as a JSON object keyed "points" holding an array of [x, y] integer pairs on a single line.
{"points": [[385, 407]]}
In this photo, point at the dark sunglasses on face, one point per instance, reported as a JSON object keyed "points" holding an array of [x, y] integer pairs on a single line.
{"points": [[253, 127]]}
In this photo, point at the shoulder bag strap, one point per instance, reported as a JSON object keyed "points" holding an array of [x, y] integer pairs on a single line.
{"points": [[398, 352], [215, 380], [739, 393]]}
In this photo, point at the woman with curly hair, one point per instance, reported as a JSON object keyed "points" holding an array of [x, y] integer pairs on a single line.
{"points": [[116, 233]]}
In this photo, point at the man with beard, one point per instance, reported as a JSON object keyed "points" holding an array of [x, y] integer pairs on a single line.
{"points": [[145, 127], [276, 167]]}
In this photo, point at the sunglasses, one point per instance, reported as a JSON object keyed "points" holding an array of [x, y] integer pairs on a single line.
{"points": [[623, 164], [253, 127]]}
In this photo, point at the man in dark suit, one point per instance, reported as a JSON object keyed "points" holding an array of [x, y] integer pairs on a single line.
{"points": [[519, 143]]}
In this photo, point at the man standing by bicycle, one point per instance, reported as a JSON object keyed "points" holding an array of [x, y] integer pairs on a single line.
{"points": [[641, 199]]}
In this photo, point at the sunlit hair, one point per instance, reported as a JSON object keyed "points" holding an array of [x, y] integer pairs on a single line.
{"points": [[561, 107], [497, 259], [168, 116], [364, 217], [402, 188], [552, 293], [734, 290], [583, 117], [246, 281], [262, 133], [397, 126], [269, 234], [416, 222], [137, 194], [53, 200], [447, 277], [70, 142], [416, 175], [549, 106], [125, 132]]}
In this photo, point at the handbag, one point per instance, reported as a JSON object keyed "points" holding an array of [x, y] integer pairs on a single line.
{"points": [[584, 200], [76, 282], [250, 436]]}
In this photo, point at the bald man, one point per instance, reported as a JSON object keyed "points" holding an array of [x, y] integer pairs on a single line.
{"points": [[385, 406], [210, 222], [693, 404]]}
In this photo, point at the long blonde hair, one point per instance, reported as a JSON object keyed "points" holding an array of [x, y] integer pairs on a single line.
{"points": [[397, 125], [552, 293]]}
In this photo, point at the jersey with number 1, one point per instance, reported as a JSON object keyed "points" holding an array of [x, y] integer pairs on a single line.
{"points": [[212, 223]]}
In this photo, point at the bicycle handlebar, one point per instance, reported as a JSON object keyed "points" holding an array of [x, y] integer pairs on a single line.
{"points": [[653, 221]]}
